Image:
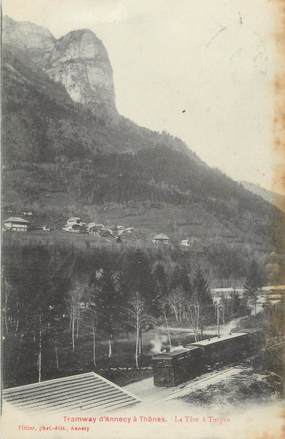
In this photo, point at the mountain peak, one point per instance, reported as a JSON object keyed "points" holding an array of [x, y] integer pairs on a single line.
{"points": [[78, 33], [80, 44], [78, 60]]}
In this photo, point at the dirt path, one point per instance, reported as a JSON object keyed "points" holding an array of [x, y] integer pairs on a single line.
{"points": [[211, 330]]}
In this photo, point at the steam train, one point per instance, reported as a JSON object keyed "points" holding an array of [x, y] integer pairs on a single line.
{"points": [[180, 365]]}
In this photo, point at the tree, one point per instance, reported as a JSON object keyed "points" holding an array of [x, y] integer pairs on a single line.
{"points": [[202, 300], [110, 302], [160, 287], [73, 303], [138, 319], [253, 282], [176, 302], [194, 317], [180, 278], [10, 308], [236, 304], [201, 291], [93, 314], [172, 288], [139, 277]]}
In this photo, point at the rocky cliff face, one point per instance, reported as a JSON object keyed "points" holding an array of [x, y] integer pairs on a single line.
{"points": [[78, 60]]}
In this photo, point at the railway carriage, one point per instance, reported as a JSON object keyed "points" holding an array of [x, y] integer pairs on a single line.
{"points": [[224, 349], [256, 338], [176, 367]]}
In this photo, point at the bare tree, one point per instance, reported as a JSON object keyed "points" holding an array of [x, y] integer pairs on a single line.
{"points": [[74, 298], [194, 318], [139, 320], [56, 351], [40, 349], [176, 302], [93, 314], [110, 301], [6, 290], [167, 329], [10, 309]]}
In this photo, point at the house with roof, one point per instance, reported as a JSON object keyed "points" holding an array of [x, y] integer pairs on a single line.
{"points": [[86, 392], [185, 243], [161, 238], [74, 220], [195, 244], [74, 225], [16, 224]]}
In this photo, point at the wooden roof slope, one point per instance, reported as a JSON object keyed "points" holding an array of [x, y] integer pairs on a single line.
{"points": [[84, 392]]}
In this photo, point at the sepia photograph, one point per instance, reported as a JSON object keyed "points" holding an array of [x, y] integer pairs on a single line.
{"points": [[143, 219]]}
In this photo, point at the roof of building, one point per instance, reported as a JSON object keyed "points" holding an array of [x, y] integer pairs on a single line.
{"points": [[226, 290], [160, 236], [15, 219], [248, 331], [174, 353], [264, 289], [273, 288], [87, 391], [74, 218], [91, 225], [215, 340]]}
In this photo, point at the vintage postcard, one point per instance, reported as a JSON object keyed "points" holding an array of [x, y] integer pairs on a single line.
{"points": [[143, 219]]}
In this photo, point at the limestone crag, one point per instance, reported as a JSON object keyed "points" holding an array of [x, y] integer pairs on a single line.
{"points": [[78, 60]]}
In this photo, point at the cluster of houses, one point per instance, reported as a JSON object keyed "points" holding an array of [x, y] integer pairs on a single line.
{"points": [[72, 225], [163, 240], [76, 225]]}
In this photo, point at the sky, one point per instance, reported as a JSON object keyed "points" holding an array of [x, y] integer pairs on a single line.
{"points": [[201, 70]]}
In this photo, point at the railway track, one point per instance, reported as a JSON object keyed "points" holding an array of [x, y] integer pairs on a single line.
{"points": [[203, 382], [148, 393]]}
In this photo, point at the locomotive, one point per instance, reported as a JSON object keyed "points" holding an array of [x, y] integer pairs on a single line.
{"points": [[180, 365]]}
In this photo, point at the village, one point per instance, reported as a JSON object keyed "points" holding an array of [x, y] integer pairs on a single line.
{"points": [[110, 233]]}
